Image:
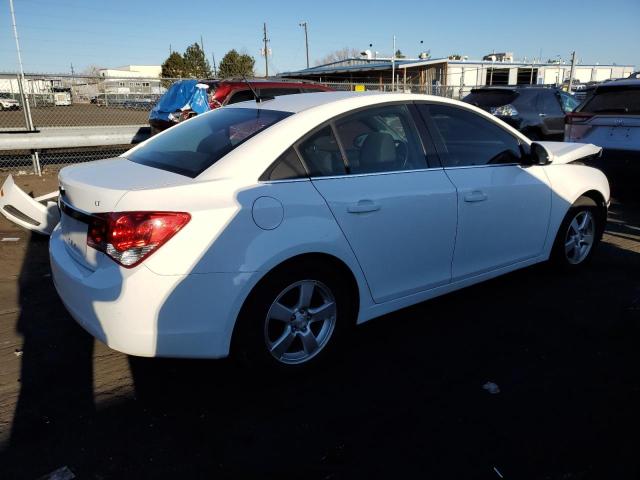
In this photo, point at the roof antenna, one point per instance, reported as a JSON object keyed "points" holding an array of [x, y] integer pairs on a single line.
{"points": [[259, 99]]}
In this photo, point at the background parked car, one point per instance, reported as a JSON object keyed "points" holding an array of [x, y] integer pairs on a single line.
{"points": [[610, 118], [227, 92], [538, 112], [8, 103]]}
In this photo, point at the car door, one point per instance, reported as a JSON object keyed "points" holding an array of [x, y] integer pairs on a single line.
{"points": [[503, 206], [397, 213], [551, 112]]}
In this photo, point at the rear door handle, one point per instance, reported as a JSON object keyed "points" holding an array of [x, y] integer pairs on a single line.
{"points": [[475, 196], [363, 206]]}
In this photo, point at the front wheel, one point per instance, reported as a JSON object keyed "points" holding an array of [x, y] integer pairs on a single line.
{"points": [[578, 235]]}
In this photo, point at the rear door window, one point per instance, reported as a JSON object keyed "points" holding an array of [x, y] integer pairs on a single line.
{"points": [[190, 148], [321, 154], [381, 139]]}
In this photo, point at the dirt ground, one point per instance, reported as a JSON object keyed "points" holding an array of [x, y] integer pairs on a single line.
{"points": [[403, 400], [78, 115]]}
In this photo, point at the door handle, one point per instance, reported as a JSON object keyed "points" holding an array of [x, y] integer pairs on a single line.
{"points": [[475, 196], [542, 114], [363, 206]]}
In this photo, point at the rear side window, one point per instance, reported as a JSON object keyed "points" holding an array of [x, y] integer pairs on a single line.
{"points": [[321, 154], [287, 167], [613, 101], [192, 147], [467, 139], [490, 98]]}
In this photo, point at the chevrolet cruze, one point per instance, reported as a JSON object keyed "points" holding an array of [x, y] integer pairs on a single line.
{"points": [[267, 229]]}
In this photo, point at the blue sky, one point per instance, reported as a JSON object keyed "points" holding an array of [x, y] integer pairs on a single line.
{"points": [[111, 33]]}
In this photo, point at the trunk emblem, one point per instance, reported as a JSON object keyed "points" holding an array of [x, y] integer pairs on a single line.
{"points": [[97, 203]]}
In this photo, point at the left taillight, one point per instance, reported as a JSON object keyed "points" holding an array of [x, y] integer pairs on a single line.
{"points": [[130, 237]]}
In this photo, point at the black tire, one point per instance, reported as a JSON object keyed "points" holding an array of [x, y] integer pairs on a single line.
{"points": [[584, 207], [249, 343]]}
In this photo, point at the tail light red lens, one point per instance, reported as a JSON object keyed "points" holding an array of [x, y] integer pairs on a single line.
{"points": [[130, 237], [576, 117]]}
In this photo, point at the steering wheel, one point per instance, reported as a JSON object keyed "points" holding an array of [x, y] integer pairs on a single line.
{"points": [[402, 152]]}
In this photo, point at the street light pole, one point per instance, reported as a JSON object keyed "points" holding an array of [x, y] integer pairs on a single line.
{"points": [[306, 39]]}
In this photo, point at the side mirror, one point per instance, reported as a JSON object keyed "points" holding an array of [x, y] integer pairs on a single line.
{"points": [[536, 155]]}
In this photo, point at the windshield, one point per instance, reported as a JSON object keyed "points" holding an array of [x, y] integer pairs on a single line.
{"points": [[192, 147]]}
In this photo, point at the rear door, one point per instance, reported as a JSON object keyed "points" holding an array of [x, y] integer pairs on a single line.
{"points": [[503, 207], [397, 211]]}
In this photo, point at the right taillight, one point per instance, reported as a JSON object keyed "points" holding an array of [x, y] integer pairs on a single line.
{"points": [[577, 118], [576, 126], [130, 237]]}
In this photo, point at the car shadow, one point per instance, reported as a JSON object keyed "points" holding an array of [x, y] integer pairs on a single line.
{"points": [[404, 398]]}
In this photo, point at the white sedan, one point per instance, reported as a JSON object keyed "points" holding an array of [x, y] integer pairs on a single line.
{"points": [[269, 228]]}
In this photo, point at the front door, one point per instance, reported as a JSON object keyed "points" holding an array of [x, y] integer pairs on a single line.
{"points": [[503, 207]]}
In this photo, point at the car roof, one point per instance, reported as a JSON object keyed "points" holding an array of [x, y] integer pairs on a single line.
{"points": [[615, 84]]}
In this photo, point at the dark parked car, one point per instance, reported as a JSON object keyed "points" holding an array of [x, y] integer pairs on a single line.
{"points": [[229, 91], [538, 112]]}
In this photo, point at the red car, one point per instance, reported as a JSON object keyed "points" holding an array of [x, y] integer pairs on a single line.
{"points": [[226, 92]]}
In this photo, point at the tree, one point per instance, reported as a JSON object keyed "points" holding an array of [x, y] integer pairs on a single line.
{"points": [[195, 63], [92, 71], [236, 64], [338, 55], [399, 54], [174, 67], [455, 56]]}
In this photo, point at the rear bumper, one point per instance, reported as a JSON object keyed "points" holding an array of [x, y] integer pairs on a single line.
{"points": [[138, 312]]}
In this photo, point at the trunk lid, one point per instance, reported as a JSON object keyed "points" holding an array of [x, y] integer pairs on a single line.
{"points": [[97, 187]]}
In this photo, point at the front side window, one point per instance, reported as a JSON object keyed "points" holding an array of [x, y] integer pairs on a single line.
{"points": [[467, 139], [192, 147], [381, 139]]}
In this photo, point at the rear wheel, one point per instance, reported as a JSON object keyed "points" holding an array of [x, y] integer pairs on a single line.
{"points": [[578, 235], [294, 318]]}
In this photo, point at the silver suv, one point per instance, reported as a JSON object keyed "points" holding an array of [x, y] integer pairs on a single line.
{"points": [[610, 118]]}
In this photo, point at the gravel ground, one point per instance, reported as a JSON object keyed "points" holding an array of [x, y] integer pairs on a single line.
{"points": [[404, 400], [78, 115]]}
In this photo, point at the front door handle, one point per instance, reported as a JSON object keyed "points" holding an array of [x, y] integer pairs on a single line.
{"points": [[363, 206], [475, 196]]}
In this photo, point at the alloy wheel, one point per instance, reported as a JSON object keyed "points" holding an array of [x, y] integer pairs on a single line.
{"points": [[300, 322], [580, 236]]}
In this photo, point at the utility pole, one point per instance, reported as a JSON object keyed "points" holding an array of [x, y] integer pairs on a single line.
{"points": [[573, 67], [265, 40], [26, 108], [306, 40], [215, 69], [393, 65]]}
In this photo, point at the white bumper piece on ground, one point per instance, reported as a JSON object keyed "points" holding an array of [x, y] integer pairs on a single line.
{"points": [[38, 214]]}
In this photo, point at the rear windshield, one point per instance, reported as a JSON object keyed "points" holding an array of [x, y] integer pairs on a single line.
{"points": [[614, 101], [190, 148], [490, 98]]}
